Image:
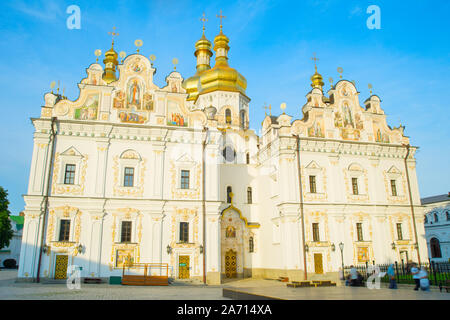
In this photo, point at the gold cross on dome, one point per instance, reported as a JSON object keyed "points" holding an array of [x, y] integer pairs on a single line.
{"points": [[315, 60], [203, 20], [113, 34], [220, 16]]}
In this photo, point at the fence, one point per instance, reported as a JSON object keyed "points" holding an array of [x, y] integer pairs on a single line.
{"points": [[438, 272]]}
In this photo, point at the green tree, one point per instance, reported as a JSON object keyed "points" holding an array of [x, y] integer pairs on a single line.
{"points": [[6, 231]]}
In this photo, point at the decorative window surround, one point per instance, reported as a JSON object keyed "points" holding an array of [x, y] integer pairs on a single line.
{"points": [[70, 156], [313, 169], [400, 182], [129, 159], [354, 170]]}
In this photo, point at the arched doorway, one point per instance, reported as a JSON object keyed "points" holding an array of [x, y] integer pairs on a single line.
{"points": [[232, 246], [435, 248]]}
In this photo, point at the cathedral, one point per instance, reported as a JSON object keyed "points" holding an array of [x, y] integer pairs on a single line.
{"points": [[132, 173]]}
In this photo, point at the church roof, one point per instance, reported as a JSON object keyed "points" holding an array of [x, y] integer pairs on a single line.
{"points": [[436, 199]]}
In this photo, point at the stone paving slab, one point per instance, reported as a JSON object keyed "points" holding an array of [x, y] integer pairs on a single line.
{"points": [[279, 290], [10, 289]]}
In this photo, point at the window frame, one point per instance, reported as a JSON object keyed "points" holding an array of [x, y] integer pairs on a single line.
{"points": [[126, 232], [72, 174], [64, 235], [316, 232], [183, 236], [355, 186], [312, 184], [125, 175], [399, 231], [249, 195], [359, 231], [394, 191], [183, 179]]}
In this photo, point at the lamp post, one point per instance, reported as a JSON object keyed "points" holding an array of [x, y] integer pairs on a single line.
{"points": [[341, 247]]}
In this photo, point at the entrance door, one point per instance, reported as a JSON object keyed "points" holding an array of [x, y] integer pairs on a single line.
{"points": [[230, 264], [404, 256], [61, 266], [183, 267], [318, 263]]}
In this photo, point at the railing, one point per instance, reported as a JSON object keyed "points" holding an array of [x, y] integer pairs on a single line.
{"points": [[147, 267], [438, 272]]}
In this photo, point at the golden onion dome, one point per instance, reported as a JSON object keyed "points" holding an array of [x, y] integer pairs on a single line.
{"points": [[222, 76], [110, 61], [317, 80], [203, 54]]}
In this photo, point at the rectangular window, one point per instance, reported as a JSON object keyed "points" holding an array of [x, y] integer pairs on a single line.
{"points": [[126, 231], [64, 230], [312, 184], [69, 176], [316, 236], [399, 231], [184, 231], [393, 188], [355, 185], [359, 232], [128, 180], [184, 179]]}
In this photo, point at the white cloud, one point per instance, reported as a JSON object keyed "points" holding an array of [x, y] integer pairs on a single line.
{"points": [[45, 10]]}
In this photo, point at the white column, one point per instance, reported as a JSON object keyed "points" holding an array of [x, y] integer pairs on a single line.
{"points": [[95, 243], [102, 158], [29, 251], [39, 165]]}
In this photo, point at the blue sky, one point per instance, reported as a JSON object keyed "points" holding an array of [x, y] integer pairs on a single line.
{"points": [[272, 42]]}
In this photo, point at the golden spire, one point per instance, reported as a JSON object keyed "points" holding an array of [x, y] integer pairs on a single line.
{"points": [[317, 80], [109, 75]]}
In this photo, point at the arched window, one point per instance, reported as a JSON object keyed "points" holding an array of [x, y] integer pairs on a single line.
{"points": [[251, 245], [228, 116], [229, 154], [435, 248], [249, 195], [247, 156], [229, 191], [436, 218], [447, 214], [242, 119], [426, 219]]}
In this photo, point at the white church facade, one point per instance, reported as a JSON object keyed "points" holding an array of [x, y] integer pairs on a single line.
{"points": [[134, 172]]}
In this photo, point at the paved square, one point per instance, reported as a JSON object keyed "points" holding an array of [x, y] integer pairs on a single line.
{"points": [[10, 289]]}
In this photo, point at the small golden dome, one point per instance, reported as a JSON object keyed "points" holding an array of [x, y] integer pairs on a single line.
{"points": [[203, 54], [317, 80], [110, 61]]}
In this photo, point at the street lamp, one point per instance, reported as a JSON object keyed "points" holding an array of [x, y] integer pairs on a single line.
{"points": [[341, 247], [201, 249], [333, 247], [393, 245], [169, 249]]}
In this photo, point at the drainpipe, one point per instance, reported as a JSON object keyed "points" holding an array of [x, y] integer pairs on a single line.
{"points": [[301, 206], [205, 130], [49, 174], [411, 201]]}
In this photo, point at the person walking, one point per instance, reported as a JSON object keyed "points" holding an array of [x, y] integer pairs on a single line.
{"points": [[416, 278], [391, 275], [424, 282], [353, 276]]}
